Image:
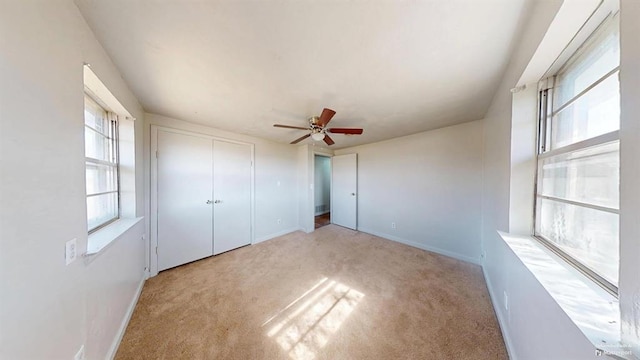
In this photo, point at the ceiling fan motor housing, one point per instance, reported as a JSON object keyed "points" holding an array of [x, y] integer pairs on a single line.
{"points": [[313, 124]]}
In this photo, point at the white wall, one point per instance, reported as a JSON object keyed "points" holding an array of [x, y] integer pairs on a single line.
{"points": [[305, 180], [274, 163], [113, 281], [322, 183], [534, 324], [523, 159], [47, 309], [429, 184]]}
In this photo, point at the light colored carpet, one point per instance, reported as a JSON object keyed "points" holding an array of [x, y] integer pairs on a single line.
{"points": [[332, 294]]}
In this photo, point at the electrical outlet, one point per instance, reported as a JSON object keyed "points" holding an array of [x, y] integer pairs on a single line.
{"points": [[393, 225], [80, 354], [506, 301], [279, 221], [483, 255], [70, 251]]}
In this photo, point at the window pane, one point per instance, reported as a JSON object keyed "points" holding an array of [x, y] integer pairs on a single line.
{"points": [[595, 113], [101, 209], [588, 235], [101, 178], [95, 116], [598, 56], [97, 146], [590, 176]]}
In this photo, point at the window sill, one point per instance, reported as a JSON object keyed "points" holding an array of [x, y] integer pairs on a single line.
{"points": [[593, 310], [103, 238]]}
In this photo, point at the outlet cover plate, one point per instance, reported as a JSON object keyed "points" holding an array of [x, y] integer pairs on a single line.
{"points": [[70, 251]]}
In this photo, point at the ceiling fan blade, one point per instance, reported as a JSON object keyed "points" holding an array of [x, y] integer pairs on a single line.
{"points": [[328, 140], [290, 127], [300, 139], [325, 117], [348, 131]]}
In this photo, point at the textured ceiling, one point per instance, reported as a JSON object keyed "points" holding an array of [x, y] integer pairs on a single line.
{"points": [[391, 67]]}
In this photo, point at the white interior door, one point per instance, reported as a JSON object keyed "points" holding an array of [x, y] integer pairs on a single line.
{"points": [[232, 196], [185, 171], [344, 190]]}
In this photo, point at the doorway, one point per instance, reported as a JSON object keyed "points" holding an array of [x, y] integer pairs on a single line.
{"points": [[322, 190]]}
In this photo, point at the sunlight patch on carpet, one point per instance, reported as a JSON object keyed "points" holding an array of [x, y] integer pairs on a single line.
{"points": [[306, 325]]}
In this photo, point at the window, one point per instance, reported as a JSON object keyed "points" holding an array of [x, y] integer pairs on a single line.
{"points": [[101, 154], [577, 191]]}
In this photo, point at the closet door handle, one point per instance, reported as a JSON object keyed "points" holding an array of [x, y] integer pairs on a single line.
{"points": [[217, 201], [209, 202]]}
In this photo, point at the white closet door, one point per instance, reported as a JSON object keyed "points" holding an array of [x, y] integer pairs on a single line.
{"points": [[185, 171], [344, 203], [232, 196]]}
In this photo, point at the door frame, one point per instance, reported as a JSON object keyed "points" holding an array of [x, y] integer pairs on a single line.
{"points": [[153, 191]]}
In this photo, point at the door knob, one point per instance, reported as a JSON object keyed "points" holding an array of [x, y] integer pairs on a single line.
{"points": [[217, 201], [353, 194], [209, 202]]}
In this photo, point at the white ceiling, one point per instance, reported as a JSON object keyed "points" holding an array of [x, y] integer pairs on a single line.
{"points": [[391, 67]]}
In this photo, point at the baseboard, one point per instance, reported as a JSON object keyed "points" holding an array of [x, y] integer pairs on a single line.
{"points": [[125, 322], [422, 246], [501, 320], [275, 235], [322, 213]]}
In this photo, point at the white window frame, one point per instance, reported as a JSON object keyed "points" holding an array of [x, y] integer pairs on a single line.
{"points": [[544, 151], [114, 162]]}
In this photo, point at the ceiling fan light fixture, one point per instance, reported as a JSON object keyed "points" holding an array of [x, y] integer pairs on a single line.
{"points": [[317, 136]]}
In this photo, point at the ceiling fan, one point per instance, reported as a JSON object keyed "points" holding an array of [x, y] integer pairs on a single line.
{"points": [[318, 130]]}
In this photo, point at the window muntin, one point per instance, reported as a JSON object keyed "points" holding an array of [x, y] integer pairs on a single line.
{"points": [[577, 199], [101, 161]]}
